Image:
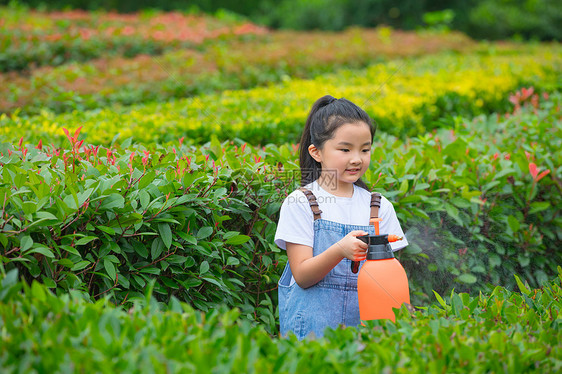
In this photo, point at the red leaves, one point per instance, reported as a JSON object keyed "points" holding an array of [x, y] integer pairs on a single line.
{"points": [[533, 169], [73, 139], [524, 96], [535, 172], [145, 158]]}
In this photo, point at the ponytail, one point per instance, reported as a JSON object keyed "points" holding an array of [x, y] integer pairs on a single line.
{"points": [[310, 168], [325, 117]]}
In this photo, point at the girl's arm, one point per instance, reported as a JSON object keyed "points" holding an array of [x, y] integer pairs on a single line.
{"points": [[309, 270]]}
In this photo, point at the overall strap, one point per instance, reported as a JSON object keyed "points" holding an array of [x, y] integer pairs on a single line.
{"points": [[312, 202], [375, 204]]}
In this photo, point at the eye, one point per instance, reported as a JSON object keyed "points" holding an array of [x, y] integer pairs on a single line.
{"points": [[344, 150]]}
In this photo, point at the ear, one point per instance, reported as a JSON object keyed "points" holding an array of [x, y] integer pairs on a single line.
{"points": [[315, 153]]}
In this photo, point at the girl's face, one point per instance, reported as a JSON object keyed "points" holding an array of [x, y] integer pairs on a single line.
{"points": [[346, 156]]}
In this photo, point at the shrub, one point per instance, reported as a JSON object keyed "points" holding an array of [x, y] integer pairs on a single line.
{"points": [[99, 220], [36, 38], [224, 64], [201, 221], [499, 330], [405, 97]]}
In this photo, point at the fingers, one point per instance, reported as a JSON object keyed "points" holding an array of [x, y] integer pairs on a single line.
{"points": [[357, 233], [360, 255]]}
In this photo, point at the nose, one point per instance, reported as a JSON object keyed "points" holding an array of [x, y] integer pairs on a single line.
{"points": [[356, 158]]}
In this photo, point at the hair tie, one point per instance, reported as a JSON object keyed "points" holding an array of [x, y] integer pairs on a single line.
{"points": [[332, 100]]}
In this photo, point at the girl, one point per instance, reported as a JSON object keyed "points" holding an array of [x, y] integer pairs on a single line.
{"points": [[318, 225]]}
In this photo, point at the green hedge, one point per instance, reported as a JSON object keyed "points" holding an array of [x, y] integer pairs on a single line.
{"points": [[201, 220], [225, 64], [495, 19], [405, 97], [497, 331], [32, 39]]}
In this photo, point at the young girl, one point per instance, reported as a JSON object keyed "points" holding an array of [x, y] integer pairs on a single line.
{"points": [[318, 226]]}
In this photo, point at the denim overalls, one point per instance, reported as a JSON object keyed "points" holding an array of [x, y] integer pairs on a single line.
{"points": [[331, 302]]}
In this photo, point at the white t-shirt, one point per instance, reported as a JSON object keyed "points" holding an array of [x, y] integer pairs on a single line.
{"points": [[296, 221]]}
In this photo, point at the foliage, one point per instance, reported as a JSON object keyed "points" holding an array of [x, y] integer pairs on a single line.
{"points": [[35, 38], [201, 220], [228, 63], [405, 97], [497, 331], [480, 200], [487, 19], [98, 219], [530, 19]]}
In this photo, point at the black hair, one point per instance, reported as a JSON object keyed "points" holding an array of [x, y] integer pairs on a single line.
{"points": [[326, 116]]}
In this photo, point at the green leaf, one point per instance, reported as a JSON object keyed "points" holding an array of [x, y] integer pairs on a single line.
{"points": [[494, 260], [29, 207], [453, 212], [112, 201], [151, 270], [144, 198], [38, 291], [157, 248], [213, 280], [513, 223], [70, 249], [109, 268], [45, 251], [48, 282], [107, 230], [80, 265], [521, 286], [539, 206], [204, 267], [191, 282], [25, 243], [146, 180], [460, 202], [86, 240], [467, 278], [403, 187], [440, 299], [65, 262], [204, 232], [3, 240], [232, 261], [238, 239], [140, 249], [187, 237], [523, 260], [165, 234]]}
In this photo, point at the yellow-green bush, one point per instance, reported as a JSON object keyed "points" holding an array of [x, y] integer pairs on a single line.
{"points": [[405, 97]]}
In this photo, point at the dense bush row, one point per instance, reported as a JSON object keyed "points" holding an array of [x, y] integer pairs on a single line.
{"points": [[232, 63], [483, 19], [97, 219], [489, 19], [497, 331], [29, 39], [405, 97], [201, 220]]}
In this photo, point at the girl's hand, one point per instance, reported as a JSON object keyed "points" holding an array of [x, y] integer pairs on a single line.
{"points": [[353, 248]]}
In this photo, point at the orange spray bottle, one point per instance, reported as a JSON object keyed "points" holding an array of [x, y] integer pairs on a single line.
{"points": [[382, 283]]}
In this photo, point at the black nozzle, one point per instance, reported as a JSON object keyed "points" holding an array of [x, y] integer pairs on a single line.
{"points": [[379, 247]]}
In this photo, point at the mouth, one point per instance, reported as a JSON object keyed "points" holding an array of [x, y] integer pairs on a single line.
{"points": [[353, 171]]}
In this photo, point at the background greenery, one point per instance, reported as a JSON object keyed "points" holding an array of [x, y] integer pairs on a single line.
{"points": [[144, 158], [488, 19]]}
